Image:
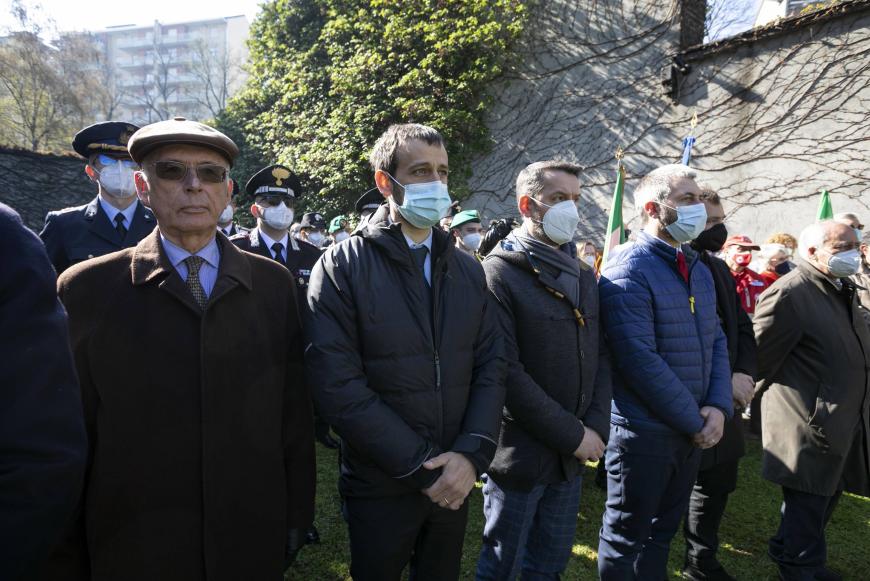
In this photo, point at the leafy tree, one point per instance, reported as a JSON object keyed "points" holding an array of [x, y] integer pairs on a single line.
{"points": [[328, 76]]}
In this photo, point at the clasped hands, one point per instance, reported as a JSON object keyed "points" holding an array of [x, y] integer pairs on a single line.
{"points": [[714, 425], [456, 480]]}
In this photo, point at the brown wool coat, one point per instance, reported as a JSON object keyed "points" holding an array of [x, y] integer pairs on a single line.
{"points": [[199, 423], [813, 361]]}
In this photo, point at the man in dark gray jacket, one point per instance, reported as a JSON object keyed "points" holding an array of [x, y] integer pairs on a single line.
{"points": [[813, 357], [557, 409], [417, 405]]}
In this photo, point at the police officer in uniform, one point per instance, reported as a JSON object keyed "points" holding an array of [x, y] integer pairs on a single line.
{"points": [[115, 219], [339, 229], [275, 190], [312, 229], [467, 231]]}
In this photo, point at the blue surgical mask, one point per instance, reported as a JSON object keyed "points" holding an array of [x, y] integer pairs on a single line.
{"points": [[844, 264], [691, 221], [424, 204], [859, 233]]}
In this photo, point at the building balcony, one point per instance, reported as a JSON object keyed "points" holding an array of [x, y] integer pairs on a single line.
{"points": [[134, 64], [132, 42]]}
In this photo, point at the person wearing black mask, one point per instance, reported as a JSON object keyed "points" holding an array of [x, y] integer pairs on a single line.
{"points": [[717, 477]]}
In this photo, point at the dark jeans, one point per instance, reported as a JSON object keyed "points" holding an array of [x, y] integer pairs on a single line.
{"points": [[799, 547], [706, 507], [528, 533], [386, 534], [649, 479]]}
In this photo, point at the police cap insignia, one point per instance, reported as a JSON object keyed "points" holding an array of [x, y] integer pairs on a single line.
{"points": [[280, 174]]}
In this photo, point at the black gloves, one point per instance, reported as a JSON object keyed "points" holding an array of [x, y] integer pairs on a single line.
{"points": [[498, 230]]}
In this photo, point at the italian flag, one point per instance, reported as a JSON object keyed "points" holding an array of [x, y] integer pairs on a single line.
{"points": [[615, 232], [826, 212]]}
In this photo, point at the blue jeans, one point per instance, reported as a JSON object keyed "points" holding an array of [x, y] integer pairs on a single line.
{"points": [[530, 532], [649, 480]]}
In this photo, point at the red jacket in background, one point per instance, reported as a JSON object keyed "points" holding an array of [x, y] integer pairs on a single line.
{"points": [[749, 286]]}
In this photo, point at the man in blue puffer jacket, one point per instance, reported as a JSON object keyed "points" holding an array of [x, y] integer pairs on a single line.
{"points": [[671, 380]]}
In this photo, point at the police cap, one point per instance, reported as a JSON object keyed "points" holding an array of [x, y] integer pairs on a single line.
{"points": [[275, 180], [110, 137]]}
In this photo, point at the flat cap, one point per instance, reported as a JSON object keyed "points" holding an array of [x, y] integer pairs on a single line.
{"points": [[180, 131], [464, 217], [369, 201], [275, 180], [313, 220], [109, 137]]}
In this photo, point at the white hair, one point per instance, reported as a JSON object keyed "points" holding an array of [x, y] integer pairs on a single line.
{"points": [[768, 251], [814, 236], [656, 185]]}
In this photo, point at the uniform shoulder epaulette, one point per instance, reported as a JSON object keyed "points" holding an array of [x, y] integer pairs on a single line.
{"points": [[68, 210]]}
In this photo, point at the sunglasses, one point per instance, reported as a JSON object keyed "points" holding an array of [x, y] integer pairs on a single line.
{"points": [[275, 199], [106, 161], [175, 171]]}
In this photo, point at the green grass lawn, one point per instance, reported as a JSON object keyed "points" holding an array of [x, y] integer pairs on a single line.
{"points": [[752, 516]]}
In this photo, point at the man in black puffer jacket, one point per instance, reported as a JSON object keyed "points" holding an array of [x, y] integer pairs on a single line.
{"points": [[410, 372], [717, 476], [557, 408]]}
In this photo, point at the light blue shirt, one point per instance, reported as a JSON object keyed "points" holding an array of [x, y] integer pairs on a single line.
{"points": [[427, 265], [111, 211], [207, 272]]}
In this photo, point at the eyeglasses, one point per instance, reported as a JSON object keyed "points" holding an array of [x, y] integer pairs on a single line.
{"points": [[106, 161], [175, 171]]}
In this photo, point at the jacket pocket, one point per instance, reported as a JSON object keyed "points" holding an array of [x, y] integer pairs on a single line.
{"points": [[828, 429]]}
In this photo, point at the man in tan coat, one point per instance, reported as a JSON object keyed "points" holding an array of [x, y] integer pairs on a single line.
{"points": [[813, 357], [189, 353]]}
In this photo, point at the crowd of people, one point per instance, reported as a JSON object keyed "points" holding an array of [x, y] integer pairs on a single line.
{"points": [[166, 372]]}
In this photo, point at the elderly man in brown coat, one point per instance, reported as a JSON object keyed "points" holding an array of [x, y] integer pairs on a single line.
{"points": [[813, 357], [201, 442]]}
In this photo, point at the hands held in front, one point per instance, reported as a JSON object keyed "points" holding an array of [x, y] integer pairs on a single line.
{"points": [[742, 389], [456, 480], [714, 424], [591, 447]]}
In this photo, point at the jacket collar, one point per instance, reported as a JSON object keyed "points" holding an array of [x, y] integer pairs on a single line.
{"points": [[665, 251], [389, 239], [150, 262], [143, 222], [817, 277]]}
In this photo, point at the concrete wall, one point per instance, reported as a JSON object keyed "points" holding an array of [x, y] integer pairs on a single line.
{"points": [[780, 116], [783, 117], [35, 183]]}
